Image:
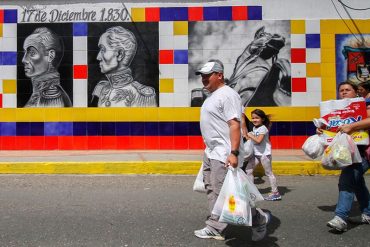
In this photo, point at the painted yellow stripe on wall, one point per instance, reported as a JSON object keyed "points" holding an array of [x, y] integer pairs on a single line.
{"points": [[160, 114]]}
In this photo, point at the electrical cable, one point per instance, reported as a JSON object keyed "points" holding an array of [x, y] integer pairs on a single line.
{"points": [[340, 1]]}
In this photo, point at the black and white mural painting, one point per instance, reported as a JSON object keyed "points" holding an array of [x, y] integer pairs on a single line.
{"points": [[256, 56], [44, 74], [123, 65]]}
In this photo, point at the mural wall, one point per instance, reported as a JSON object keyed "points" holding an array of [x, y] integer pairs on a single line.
{"points": [[122, 77]]}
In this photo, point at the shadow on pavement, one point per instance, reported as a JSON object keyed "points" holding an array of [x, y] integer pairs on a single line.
{"points": [[242, 236], [282, 190]]}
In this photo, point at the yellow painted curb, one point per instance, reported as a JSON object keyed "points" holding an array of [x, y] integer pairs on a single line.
{"points": [[150, 167]]}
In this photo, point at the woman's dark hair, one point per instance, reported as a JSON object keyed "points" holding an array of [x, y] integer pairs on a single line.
{"points": [[354, 86], [265, 118], [365, 85]]}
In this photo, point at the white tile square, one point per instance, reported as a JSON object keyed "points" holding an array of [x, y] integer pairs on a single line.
{"points": [[298, 40], [10, 30], [314, 99], [312, 26], [181, 100], [165, 28], [9, 100], [298, 70], [181, 85], [80, 43], [79, 92], [180, 42], [180, 71], [208, 41], [79, 57], [8, 72], [299, 99], [166, 70], [313, 85], [166, 42], [313, 55], [166, 99], [1, 86], [8, 44], [209, 54]]}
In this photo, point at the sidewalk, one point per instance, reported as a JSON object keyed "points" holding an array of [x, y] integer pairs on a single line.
{"points": [[285, 162]]}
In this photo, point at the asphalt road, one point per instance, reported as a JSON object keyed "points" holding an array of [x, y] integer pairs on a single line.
{"points": [[131, 210]]}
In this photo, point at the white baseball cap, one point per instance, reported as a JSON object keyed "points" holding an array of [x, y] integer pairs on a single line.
{"points": [[210, 67]]}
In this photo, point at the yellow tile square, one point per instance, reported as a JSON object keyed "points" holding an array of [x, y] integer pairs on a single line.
{"points": [[327, 55], [298, 26], [1, 30], [166, 85], [138, 14], [313, 69], [327, 41], [9, 86], [328, 70], [180, 28], [328, 88]]}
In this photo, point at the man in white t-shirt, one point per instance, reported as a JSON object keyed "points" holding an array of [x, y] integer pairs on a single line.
{"points": [[221, 131]]}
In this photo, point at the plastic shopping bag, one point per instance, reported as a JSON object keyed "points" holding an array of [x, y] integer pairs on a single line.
{"points": [[233, 204], [199, 183], [248, 148], [313, 147], [341, 152]]}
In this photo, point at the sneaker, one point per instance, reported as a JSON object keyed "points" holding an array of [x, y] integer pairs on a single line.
{"points": [[273, 196], [365, 219], [207, 233], [259, 231], [337, 223]]}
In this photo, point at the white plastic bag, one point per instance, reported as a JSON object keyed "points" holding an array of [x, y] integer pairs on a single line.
{"points": [[199, 183], [341, 152], [236, 198], [248, 148], [313, 147]]}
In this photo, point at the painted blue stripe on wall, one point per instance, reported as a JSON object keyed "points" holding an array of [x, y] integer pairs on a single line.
{"points": [[254, 12], [8, 58]]}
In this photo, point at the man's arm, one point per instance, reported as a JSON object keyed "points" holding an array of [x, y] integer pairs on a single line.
{"points": [[360, 125], [234, 127]]}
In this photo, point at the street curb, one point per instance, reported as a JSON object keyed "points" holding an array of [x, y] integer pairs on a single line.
{"points": [[151, 167]]}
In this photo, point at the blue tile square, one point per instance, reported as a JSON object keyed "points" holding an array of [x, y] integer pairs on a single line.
{"points": [[80, 29], [312, 40], [254, 12], [151, 129], [123, 128], [167, 14], [37, 129], [210, 13], [181, 56], [51, 129], [181, 128], [166, 128], [225, 13], [137, 129], [181, 14], [93, 128], [194, 129], [10, 16], [65, 129], [283, 128], [23, 129], [8, 58], [8, 129], [79, 128], [299, 128], [108, 128]]}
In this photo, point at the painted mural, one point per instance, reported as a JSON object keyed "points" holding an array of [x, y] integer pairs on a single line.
{"points": [[352, 58], [256, 57]]}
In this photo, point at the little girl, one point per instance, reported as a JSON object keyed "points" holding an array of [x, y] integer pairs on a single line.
{"points": [[262, 151]]}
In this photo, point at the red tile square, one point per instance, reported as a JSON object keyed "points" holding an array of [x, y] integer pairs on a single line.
{"points": [[1, 100], [123, 142], [37, 143], [166, 142], [298, 141], [1, 16], [195, 13], [8, 143], [152, 142], [298, 55], [299, 85], [22, 142], [152, 14], [80, 143], [166, 56], [65, 142], [108, 142], [181, 142], [51, 143], [240, 13], [79, 71], [137, 142], [94, 142], [196, 142]]}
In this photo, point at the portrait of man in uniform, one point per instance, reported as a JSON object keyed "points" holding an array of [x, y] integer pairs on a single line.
{"points": [[43, 52], [117, 49]]}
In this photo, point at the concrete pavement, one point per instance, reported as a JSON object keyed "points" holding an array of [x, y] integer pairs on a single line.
{"points": [[285, 162]]}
